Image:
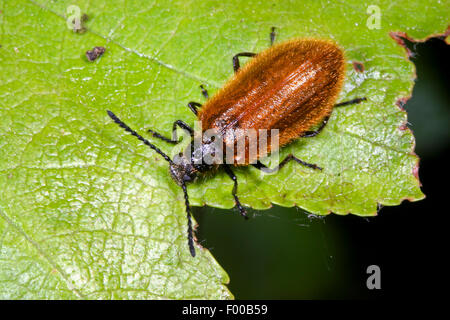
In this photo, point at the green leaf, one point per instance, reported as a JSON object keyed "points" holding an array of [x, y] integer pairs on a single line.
{"points": [[86, 211]]}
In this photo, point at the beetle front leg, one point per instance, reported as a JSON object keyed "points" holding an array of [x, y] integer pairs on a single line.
{"points": [[234, 178], [204, 92], [193, 106], [236, 64], [190, 231], [272, 36]]}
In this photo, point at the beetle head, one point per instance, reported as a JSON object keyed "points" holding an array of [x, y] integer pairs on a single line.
{"points": [[182, 170]]}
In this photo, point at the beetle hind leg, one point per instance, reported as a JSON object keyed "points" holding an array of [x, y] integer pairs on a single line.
{"points": [[309, 134], [353, 101], [264, 168]]}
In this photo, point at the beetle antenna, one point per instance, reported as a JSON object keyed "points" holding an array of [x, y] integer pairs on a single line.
{"points": [[166, 157], [189, 231], [137, 135]]}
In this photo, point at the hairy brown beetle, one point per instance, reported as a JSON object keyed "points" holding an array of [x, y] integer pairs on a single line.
{"points": [[291, 87]]}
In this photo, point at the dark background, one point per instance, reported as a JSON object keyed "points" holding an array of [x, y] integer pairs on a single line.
{"points": [[282, 254]]}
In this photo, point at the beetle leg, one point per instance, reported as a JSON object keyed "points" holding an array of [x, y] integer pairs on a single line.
{"points": [[272, 36], [204, 92], [193, 106], [238, 203], [309, 134], [174, 139], [190, 231], [264, 168], [353, 101], [236, 64]]}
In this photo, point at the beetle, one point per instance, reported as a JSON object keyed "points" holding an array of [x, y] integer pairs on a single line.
{"points": [[291, 87]]}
